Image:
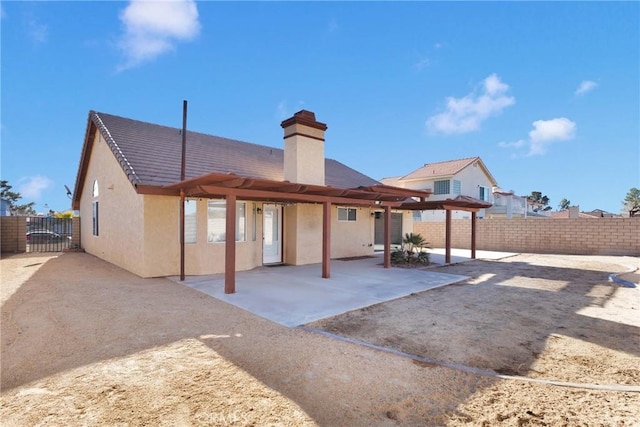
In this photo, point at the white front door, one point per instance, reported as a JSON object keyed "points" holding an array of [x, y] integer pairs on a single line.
{"points": [[271, 234]]}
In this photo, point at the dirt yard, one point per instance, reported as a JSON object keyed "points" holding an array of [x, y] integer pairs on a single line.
{"points": [[86, 343]]}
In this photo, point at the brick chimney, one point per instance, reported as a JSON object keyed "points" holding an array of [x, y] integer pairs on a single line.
{"points": [[304, 148]]}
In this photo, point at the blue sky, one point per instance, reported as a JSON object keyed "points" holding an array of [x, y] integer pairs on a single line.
{"points": [[547, 94]]}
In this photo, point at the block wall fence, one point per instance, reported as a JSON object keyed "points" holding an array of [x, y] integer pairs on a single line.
{"points": [[578, 236], [13, 230]]}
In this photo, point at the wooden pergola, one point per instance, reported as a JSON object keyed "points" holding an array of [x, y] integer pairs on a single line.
{"points": [[460, 203], [233, 187]]}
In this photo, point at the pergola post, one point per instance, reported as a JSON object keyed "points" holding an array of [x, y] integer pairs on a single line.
{"points": [[326, 240], [387, 237], [473, 235], [447, 238], [230, 246]]}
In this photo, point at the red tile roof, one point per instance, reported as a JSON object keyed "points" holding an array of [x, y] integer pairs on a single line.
{"points": [[445, 169]]}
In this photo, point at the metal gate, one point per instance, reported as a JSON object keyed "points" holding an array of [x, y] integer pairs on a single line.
{"points": [[47, 234]]}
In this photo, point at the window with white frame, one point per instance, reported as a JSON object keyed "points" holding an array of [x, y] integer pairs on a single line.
{"points": [[190, 221], [483, 193], [456, 186], [346, 214], [417, 215], [217, 221], [441, 187]]}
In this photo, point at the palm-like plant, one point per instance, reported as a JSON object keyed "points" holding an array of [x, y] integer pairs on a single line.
{"points": [[412, 247]]}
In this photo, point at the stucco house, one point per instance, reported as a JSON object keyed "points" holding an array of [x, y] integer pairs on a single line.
{"points": [[288, 205], [468, 177]]}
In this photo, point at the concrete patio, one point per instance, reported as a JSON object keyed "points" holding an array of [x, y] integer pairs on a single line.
{"points": [[295, 295]]}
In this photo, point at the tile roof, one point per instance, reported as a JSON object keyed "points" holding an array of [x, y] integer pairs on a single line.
{"points": [[440, 169], [150, 154]]}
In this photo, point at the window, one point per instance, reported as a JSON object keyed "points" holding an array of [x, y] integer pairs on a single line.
{"points": [[346, 214], [441, 187], [95, 188], [216, 221], [95, 218], [456, 186], [484, 193], [417, 215], [190, 221]]}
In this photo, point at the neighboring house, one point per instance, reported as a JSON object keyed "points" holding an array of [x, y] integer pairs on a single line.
{"points": [[288, 206], [599, 213], [5, 208], [508, 205], [447, 180], [574, 212]]}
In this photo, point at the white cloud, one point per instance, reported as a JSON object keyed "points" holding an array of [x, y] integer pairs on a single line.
{"points": [[548, 131], [152, 28], [466, 114], [544, 132], [31, 187], [585, 86], [515, 144]]}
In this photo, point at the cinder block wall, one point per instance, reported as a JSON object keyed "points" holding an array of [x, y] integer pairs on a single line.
{"points": [[76, 242], [12, 234], [580, 236]]}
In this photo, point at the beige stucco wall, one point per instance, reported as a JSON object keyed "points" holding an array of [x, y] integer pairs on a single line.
{"points": [[352, 238], [121, 228], [302, 234], [161, 238], [304, 157]]}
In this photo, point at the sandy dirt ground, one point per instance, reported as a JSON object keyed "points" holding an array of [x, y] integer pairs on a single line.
{"points": [[86, 343]]}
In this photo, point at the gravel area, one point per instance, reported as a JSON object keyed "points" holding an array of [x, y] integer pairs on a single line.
{"points": [[86, 343]]}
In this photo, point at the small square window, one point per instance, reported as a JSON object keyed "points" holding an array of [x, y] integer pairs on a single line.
{"points": [[441, 187], [346, 214]]}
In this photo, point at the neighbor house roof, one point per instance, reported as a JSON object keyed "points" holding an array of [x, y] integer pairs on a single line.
{"points": [[446, 169], [150, 155], [567, 214]]}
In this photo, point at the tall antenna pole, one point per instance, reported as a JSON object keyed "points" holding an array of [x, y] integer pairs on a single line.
{"points": [[182, 176]]}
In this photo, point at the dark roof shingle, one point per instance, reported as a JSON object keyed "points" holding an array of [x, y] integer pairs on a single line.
{"points": [[150, 154]]}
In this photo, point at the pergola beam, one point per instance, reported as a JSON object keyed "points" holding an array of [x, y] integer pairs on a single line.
{"points": [[266, 195], [387, 237], [447, 238], [230, 246], [326, 240]]}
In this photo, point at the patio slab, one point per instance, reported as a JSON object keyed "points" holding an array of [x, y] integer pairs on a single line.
{"points": [[296, 295]]}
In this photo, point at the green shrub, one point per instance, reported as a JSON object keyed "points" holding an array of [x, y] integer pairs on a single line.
{"points": [[411, 252]]}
